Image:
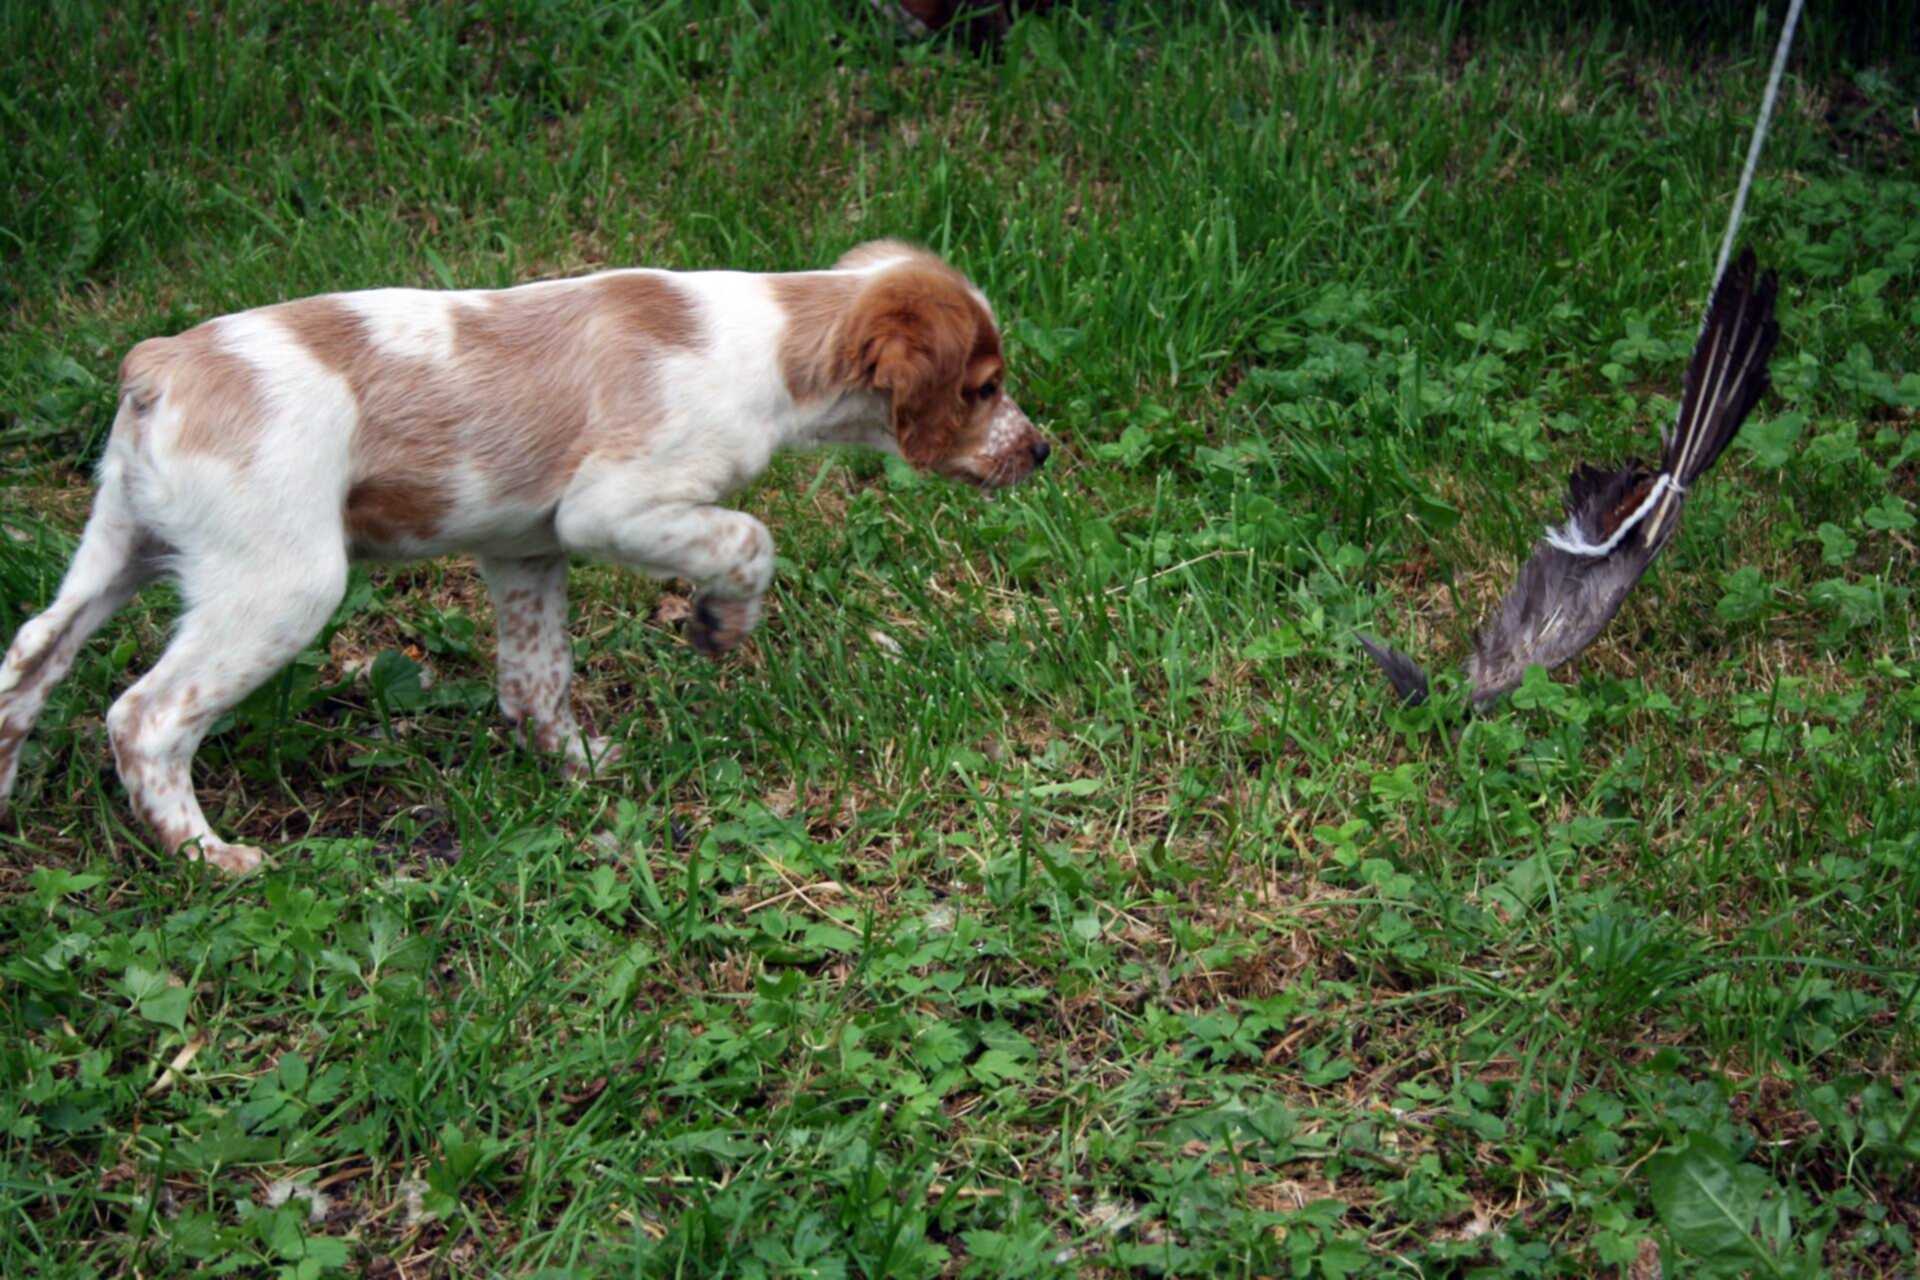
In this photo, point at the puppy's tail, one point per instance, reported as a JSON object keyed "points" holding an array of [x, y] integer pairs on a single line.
{"points": [[1408, 680]]}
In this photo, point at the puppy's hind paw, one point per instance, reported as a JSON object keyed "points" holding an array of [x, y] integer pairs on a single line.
{"points": [[589, 758], [234, 859]]}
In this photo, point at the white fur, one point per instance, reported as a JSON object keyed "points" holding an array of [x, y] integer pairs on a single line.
{"points": [[410, 323]]}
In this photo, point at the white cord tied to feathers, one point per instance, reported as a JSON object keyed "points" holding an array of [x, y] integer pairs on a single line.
{"points": [[1568, 537]]}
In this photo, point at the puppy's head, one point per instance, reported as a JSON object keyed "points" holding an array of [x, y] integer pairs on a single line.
{"points": [[922, 336]]}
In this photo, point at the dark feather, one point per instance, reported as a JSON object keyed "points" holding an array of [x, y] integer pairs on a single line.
{"points": [[1408, 680], [1728, 372], [1557, 606], [1563, 599]]}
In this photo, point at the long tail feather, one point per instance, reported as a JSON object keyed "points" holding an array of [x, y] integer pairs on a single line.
{"points": [[1408, 680], [1728, 372], [1725, 379]]}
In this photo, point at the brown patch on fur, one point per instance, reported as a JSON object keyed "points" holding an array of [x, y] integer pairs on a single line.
{"points": [[380, 512], [216, 393], [550, 359], [531, 367], [529, 357], [652, 308], [330, 330], [404, 430], [125, 724], [813, 361]]}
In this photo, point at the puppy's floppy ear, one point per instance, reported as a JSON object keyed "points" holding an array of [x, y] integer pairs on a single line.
{"points": [[911, 335]]}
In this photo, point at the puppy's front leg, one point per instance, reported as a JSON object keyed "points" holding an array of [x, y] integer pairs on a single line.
{"points": [[726, 554]]}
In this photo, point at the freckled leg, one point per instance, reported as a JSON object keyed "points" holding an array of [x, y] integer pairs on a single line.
{"points": [[244, 621], [107, 569], [535, 660], [728, 555]]}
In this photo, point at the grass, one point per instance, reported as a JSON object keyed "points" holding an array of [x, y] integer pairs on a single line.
{"points": [[1050, 887]]}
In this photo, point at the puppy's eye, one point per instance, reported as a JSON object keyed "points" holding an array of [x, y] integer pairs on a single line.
{"points": [[987, 390]]}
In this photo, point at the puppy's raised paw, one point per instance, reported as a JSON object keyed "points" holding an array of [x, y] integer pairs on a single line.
{"points": [[718, 625]]}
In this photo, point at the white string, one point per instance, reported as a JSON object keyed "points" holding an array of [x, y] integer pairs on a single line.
{"points": [[1568, 537], [1753, 148]]}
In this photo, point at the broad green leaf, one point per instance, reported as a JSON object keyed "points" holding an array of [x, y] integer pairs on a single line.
{"points": [[712, 1142], [49, 884], [395, 679], [1890, 513], [1342, 1258], [996, 1066], [1078, 787], [168, 1008], [1770, 441], [1282, 642], [1709, 1201], [1836, 544], [1748, 594]]}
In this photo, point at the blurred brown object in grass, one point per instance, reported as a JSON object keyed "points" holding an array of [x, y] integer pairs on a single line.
{"points": [[978, 22]]}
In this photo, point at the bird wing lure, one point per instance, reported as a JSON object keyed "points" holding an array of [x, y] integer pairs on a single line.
{"points": [[1617, 521]]}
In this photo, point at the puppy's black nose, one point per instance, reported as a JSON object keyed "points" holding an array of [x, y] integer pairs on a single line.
{"points": [[1040, 452]]}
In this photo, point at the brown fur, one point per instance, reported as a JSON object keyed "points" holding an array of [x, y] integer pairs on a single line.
{"points": [[384, 512], [915, 331], [651, 308], [529, 372], [418, 423], [404, 429], [556, 360], [918, 333], [216, 393], [532, 700], [813, 362], [124, 728]]}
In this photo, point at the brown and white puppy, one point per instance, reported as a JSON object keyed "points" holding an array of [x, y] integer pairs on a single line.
{"points": [[254, 456]]}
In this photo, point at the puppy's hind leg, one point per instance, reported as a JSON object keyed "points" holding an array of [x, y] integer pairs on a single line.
{"points": [[112, 563], [246, 617]]}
